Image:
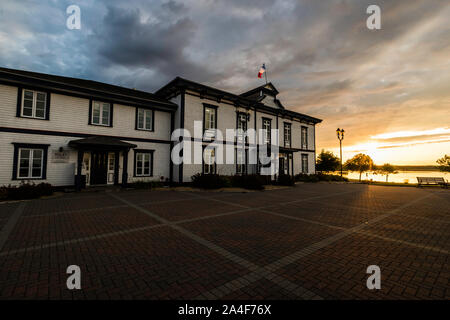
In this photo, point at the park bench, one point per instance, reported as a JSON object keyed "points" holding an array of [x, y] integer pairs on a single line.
{"points": [[431, 181]]}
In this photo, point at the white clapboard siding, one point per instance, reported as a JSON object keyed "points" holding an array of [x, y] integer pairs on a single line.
{"points": [[71, 114]]}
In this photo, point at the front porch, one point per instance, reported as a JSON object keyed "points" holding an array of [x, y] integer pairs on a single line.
{"points": [[98, 161]]}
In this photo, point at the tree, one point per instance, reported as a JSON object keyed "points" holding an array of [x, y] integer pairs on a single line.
{"points": [[327, 161], [359, 163], [444, 163], [386, 169]]}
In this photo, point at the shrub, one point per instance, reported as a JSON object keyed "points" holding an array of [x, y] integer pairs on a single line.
{"points": [[285, 180], [25, 191], [306, 177], [210, 181], [251, 181], [318, 177]]}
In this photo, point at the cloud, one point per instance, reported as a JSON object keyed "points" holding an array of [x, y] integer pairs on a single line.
{"points": [[319, 54]]}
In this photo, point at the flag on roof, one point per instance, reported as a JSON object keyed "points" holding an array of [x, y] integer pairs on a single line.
{"points": [[262, 70]]}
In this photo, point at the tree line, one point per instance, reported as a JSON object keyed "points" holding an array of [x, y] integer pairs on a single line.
{"points": [[328, 162]]}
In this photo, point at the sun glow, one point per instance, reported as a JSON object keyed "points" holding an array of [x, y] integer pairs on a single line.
{"points": [[406, 134]]}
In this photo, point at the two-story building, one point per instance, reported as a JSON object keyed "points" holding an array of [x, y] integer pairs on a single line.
{"points": [[68, 131], [256, 109]]}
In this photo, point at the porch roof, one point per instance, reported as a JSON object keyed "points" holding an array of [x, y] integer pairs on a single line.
{"points": [[101, 142]]}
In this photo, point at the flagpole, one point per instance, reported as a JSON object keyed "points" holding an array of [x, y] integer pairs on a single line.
{"points": [[265, 73]]}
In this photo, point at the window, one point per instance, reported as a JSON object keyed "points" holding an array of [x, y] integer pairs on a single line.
{"points": [[101, 113], [30, 161], [304, 139], [267, 126], [144, 119], [111, 162], [210, 116], [240, 161], [34, 104], [209, 161], [143, 163], [287, 135], [241, 126], [304, 163]]}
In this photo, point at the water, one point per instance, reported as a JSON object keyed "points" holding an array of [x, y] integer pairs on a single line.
{"points": [[400, 177]]}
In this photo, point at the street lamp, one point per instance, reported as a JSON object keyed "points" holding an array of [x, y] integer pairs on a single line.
{"points": [[340, 135]]}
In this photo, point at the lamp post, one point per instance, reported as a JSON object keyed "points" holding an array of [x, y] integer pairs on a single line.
{"points": [[340, 136]]}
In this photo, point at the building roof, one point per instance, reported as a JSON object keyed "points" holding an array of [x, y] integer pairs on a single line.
{"points": [[178, 84], [99, 141], [268, 89], [82, 86]]}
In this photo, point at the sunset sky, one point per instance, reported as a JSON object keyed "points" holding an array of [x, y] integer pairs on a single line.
{"points": [[389, 89]]}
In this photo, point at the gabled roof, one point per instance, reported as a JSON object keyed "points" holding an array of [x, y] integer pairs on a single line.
{"points": [[268, 89], [88, 87], [175, 86]]}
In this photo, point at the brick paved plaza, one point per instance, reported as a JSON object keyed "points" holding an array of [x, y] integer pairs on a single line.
{"points": [[314, 241]]}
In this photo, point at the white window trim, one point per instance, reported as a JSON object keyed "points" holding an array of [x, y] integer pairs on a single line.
{"points": [[146, 111], [305, 131], [33, 107], [213, 115], [30, 163], [210, 164], [287, 128], [101, 114], [305, 169], [149, 163], [243, 166], [267, 127]]}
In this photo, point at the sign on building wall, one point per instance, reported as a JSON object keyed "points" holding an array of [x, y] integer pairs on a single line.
{"points": [[60, 156]]}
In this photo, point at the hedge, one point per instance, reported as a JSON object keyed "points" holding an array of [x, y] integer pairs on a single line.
{"points": [[25, 191]]}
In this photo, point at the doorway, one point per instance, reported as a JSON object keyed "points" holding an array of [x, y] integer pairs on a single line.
{"points": [[99, 167]]}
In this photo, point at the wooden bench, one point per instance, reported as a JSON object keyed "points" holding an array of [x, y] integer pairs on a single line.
{"points": [[431, 181]]}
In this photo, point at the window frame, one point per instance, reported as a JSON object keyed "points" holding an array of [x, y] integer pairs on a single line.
{"points": [[285, 126], [269, 132], [21, 103], [17, 157], [238, 121], [152, 123], [214, 164], [101, 104], [212, 107], [304, 130], [151, 158], [305, 156], [244, 172]]}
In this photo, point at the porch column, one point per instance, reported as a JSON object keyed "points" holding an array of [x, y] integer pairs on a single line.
{"points": [[116, 167], [79, 167], [125, 168]]}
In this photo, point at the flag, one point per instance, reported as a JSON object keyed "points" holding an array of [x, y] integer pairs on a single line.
{"points": [[262, 70]]}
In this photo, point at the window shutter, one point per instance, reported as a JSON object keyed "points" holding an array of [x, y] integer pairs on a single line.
{"points": [[90, 111], [47, 107], [19, 101]]}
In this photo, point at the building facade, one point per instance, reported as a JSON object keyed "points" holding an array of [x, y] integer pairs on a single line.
{"points": [[74, 132]]}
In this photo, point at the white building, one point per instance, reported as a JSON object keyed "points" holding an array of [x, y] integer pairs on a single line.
{"points": [[68, 131]]}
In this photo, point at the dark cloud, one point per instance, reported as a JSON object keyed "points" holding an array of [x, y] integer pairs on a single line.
{"points": [[319, 54]]}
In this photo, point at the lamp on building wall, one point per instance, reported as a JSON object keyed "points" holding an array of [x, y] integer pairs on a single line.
{"points": [[340, 136]]}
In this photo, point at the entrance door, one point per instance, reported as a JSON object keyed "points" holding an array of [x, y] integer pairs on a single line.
{"points": [[284, 163], [99, 167]]}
